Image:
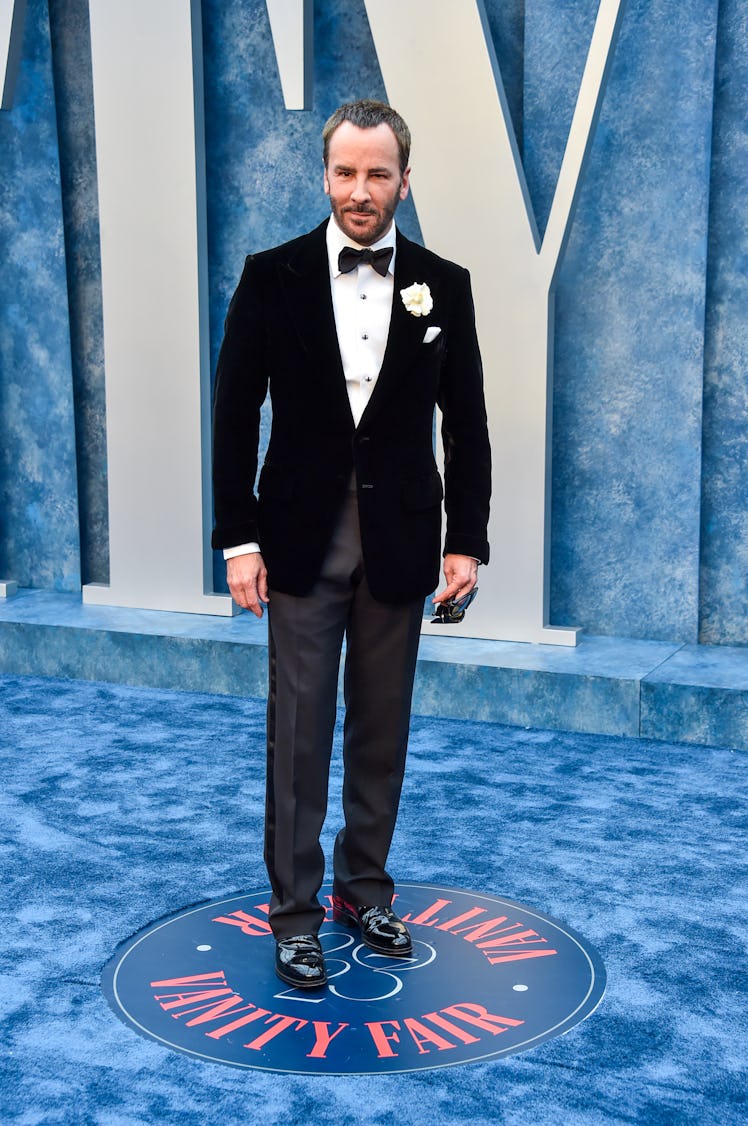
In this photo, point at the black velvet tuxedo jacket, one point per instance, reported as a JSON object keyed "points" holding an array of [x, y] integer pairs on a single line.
{"points": [[280, 334]]}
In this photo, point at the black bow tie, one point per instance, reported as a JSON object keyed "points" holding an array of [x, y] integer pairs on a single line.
{"points": [[349, 258]]}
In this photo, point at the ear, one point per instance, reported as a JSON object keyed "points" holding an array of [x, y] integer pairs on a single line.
{"points": [[405, 184], [325, 180]]}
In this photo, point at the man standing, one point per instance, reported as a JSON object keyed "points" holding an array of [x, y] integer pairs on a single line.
{"points": [[357, 332]]}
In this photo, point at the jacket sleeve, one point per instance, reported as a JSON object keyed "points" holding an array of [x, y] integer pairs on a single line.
{"points": [[467, 453], [240, 389]]}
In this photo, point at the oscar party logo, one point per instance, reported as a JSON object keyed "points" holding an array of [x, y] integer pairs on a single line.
{"points": [[487, 977]]}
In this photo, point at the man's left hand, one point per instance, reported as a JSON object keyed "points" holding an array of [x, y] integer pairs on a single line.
{"points": [[461, 573]]}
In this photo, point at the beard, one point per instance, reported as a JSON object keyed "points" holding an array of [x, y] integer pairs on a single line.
{"points": [[369, 230]]}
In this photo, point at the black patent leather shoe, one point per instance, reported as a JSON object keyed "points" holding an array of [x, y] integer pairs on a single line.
{"points": [[299, 961], [381, 930]]}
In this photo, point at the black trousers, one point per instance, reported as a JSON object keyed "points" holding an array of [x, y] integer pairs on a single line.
{"points": [[305, 642]]}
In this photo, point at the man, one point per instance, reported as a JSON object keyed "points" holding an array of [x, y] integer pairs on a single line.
{"points": [[357, 332]]}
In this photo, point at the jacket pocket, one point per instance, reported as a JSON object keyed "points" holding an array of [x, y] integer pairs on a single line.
{"points": [[274, 483], [422, 492]]}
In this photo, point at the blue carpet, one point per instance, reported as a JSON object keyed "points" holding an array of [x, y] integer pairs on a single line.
{"points": [[121, 805]]}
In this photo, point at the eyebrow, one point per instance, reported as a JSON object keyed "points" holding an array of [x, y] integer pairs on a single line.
{"points": [[369, 171]]}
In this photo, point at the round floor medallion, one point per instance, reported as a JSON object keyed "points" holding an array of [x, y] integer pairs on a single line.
{"points": [[487, 977]]}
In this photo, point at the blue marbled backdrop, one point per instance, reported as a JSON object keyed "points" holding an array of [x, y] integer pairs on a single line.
{"points": [[630, 326], [724, 560], [39, 540], [648, 520], [75, 122]]}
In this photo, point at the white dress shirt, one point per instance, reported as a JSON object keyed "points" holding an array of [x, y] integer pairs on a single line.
{"points": [[362, 304]]}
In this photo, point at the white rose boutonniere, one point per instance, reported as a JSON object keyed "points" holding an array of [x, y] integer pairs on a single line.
{"points": [[417, 299]]}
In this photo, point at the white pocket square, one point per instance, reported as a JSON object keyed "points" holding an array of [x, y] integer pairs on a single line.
{"points": [[431, 334]]}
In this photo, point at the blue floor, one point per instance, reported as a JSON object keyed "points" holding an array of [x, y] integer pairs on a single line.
{"points": [[121, 805]]}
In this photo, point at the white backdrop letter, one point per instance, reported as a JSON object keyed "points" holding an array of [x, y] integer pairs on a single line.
{"points": [[12, 14], [440, 72], [147, 75]]}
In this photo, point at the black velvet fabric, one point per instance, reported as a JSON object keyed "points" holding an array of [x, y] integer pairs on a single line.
{"points": [[280, 335]]}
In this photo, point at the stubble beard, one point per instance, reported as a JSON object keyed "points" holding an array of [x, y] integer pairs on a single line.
{"points": [[351, 229]]}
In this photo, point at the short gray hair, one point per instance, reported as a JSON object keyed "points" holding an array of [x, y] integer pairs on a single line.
{"points": [[367, 114]]}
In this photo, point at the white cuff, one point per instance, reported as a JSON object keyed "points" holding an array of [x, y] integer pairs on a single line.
{"points": [[241, 549]]}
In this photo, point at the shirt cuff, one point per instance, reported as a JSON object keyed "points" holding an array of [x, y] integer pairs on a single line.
{"points": [[241, 549]]}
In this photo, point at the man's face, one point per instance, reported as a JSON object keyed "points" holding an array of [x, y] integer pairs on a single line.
{"points": [[363, 180]]}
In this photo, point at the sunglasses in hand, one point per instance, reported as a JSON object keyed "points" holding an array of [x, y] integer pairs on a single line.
{"points": [[453, 611]]}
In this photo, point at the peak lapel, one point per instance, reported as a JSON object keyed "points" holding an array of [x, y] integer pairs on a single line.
{"points": [[305, 290], [406, 330], [304, 280]]}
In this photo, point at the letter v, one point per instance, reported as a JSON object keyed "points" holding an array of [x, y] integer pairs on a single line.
{"points": [[441, 73]]}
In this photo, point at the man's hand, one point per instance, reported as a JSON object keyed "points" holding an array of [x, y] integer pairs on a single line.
{"points": [[461, 573], [248, 581]]}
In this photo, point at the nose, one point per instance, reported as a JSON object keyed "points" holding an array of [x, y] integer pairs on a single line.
{"points": [[360, 191]]}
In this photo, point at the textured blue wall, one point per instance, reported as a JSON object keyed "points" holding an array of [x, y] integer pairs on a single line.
{"points": [[39, 542], [630, 319], [649, 524], [71, 60], [724, 573]]}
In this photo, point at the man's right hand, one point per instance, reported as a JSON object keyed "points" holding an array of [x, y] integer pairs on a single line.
{"points": [[248, 581]]}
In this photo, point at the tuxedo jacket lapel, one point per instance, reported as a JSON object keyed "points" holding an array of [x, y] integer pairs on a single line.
{"points": [[304, 281], [406, 331], [304, 285]]}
